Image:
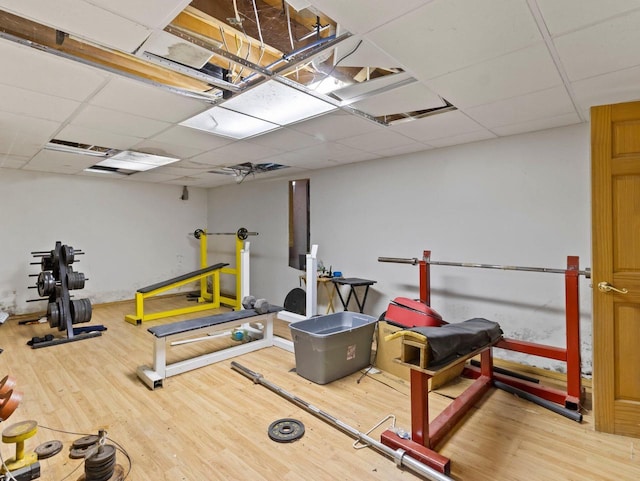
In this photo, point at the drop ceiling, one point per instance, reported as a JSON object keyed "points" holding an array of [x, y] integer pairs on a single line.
{"points": [[420, 75]]}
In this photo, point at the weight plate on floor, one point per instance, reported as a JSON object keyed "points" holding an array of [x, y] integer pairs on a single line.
{"points": [[48, 449], [286, 430], [85, 441]]}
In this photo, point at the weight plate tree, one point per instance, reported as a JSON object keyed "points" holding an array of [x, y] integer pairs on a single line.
{"points": [[54, 282]]}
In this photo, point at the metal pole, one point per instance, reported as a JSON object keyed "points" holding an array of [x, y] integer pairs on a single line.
{"points": [[568, 413], [397, 455], [414, 261]]}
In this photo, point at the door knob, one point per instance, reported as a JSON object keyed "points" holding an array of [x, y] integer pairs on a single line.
{"points": [[606, 287]]}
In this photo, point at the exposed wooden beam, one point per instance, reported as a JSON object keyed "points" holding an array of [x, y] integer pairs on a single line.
{"points": [[233, 40], [46, 36]]}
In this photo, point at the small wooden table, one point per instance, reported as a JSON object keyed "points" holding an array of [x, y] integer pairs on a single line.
{"points": [[329, 289]]}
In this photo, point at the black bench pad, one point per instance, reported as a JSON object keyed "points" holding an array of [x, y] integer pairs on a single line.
{"points": [[447, 343], [179, 327], [184, 277]]}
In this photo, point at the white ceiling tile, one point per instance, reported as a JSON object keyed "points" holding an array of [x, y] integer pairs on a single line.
{"points": [[546, 103], [236, 153], [151, 13], [605, 47], [324, 152], [526, 70], [362, 15], [188, 137], [538, 124], [375, 141], [408, 148], [620, 86], [34, 104], [151, 176], [82, 19], [409, 98], [61, 162], [358, 52], [463, 138], [32, 69], [444, 36], [94, 117], [437, 126], [285, 139], [12, 161], [24, 136], [183, 169], [335, 126], [166, 149], [138, 98], [102, 138], [568, 15]]}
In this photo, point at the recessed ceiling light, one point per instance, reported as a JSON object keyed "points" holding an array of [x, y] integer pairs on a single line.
{"points": [[220, 121], [275, 102], [136, 161]]}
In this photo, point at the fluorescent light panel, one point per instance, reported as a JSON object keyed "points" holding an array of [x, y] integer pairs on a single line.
{"points": [[262, 109], [278, 103], [136, 161], [228, 123]]}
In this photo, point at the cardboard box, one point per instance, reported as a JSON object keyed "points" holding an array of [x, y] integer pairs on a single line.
{"points": [[388, 351]]}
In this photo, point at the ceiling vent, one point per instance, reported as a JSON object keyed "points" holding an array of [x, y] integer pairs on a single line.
{"points": [[241, 171]]}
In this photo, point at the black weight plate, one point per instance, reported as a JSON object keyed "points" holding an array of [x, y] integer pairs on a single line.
{"points": [[286, 430], [85, 441], [101, 472], [242, 233], [48, 449], [53, 314], [107, 453], [296, 301], [78, 453]]}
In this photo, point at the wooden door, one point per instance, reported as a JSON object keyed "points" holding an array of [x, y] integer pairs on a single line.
{"points": [[615, 157]]}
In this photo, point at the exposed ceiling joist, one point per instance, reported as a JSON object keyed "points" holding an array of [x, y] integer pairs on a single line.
{"points": [[51, 38]]}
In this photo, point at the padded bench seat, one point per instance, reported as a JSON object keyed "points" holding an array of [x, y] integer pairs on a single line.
{"points": [[167, 334]]}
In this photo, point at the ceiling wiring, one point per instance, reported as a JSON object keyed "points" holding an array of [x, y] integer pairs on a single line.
{"points": [[286, 9], [337, 63]]}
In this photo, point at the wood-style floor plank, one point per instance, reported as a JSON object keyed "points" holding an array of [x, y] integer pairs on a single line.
{"points": [[211, 423]]}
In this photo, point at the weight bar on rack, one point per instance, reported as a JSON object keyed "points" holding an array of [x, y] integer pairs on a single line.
{"points": [[413, 261], [241, 234]]}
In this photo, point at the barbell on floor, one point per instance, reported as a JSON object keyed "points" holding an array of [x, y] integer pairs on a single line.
{"points": [[413, 261], [241, 233]]}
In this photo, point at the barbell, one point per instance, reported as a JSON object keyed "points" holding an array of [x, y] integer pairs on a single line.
{"points": [[241, 234], [414, 260]]}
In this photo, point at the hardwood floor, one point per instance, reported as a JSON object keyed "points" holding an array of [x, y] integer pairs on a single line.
{"points": [[211, 423]]}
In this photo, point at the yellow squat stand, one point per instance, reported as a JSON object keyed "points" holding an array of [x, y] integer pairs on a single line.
{"points": [[207, 300], [18, 433], [205, 296]]}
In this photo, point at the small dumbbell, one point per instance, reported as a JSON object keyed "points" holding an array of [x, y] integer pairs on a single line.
{"points": [[261, 306], [248, 302]]}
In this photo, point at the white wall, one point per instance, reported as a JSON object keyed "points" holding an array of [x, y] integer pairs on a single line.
{"points": [[521, 200], [133, 233]]}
